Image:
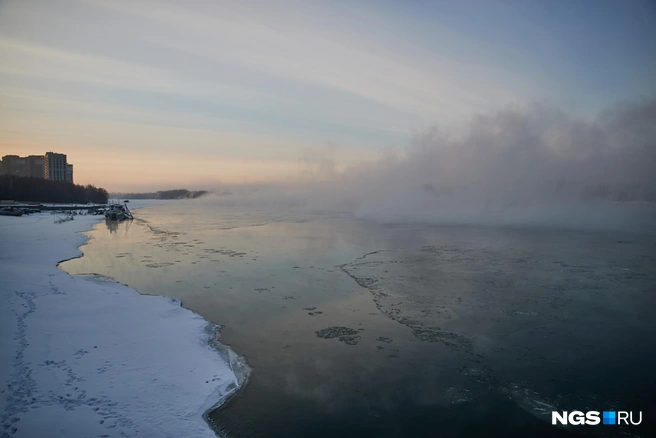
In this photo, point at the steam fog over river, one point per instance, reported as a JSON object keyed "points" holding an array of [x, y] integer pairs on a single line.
{"points": [[483, 279], [418, 218], [357, 328], [471, 286]]}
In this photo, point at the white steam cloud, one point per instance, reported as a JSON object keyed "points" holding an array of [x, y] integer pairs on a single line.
{"points": [[534, 165]]}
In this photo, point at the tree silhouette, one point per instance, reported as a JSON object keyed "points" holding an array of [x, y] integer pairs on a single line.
{"points": [[26, 189]]}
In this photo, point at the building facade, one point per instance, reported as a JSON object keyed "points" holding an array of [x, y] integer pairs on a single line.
{"points": [[54, 166], [35, 166], [14, 165], [50, 166]]}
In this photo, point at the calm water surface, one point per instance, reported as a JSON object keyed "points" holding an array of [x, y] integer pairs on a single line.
{"points": [[358, 329]]}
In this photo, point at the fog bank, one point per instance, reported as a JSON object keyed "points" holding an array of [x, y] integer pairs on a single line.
{"points": [[527, 165]]}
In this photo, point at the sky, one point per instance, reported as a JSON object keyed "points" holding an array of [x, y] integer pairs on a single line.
{"points": [[145, 95]]}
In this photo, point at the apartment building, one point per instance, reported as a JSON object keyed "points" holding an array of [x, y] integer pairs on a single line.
{"points": [[52, 166], [55, 167]]}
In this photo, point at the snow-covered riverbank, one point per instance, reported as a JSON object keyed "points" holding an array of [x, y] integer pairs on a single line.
{"points": [[87, 357]]}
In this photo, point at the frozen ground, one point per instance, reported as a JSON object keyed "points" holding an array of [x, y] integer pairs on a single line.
{"points": [[87, 357]]}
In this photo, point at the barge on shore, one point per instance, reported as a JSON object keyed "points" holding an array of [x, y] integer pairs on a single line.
{"points": [[118, 212]]}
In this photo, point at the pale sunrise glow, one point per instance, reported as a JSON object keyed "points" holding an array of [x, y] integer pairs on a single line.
{"points": [[149, 95], [327, 218]]}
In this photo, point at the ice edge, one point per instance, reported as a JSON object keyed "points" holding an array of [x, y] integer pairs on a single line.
{"points": [[237, 363]]}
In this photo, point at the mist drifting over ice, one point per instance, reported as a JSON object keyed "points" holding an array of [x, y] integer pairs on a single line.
{"points": [[530, 165]]}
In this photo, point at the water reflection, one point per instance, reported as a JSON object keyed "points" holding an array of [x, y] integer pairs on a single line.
{"points": [[113, 226], [465, 321]]}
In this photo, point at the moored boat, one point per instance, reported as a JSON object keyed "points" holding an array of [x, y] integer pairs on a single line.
{"points": [[117, 212]]}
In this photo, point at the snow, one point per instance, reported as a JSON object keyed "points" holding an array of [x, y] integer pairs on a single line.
{"points": [[87, 357]]}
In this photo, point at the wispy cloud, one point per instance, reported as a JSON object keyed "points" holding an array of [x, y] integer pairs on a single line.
{"points": [[321, 51], [286, 76]]}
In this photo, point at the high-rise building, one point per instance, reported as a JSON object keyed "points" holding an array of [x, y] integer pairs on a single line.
{"points": [[35, 166], [54, 166], [14, 165]]}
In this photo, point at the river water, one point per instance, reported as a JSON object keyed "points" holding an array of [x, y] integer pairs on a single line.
{"points": [[353, 328]]}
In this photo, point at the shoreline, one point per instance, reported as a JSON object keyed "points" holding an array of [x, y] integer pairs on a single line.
{"points": [[130, 334], [243, 370], [489, 295], [238, 364]]}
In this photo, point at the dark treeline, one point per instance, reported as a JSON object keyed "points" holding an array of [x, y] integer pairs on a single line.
{"points": [[26, 189], [165, 194]]}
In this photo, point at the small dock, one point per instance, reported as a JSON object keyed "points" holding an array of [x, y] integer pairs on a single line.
{"points": [[60, 207], [33, 208]]}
